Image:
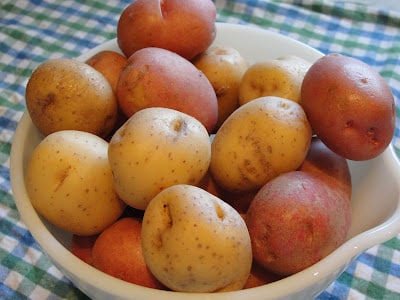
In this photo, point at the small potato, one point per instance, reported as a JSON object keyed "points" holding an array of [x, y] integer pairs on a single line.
{"points": [[118, 252], [295, 220], [281, 77], [156, 148], [350, 106], [69, 182], [156, 77], [224, 68], [186, 28], [110, 64], [260, 140], [195, 242], [65, 94]]}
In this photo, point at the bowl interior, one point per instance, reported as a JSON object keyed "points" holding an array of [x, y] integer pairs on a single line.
{"points": [[375, 202]]}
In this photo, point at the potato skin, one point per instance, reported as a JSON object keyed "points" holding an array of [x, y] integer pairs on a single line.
{"points": [[280, 77], [330, 167], [186, 29], [157, 147], [260, 140], [118, 252], [158, 77], [224, 67], [69, 182], [349, 106], [195, 242], [110, 64], [295, 220], [65, 94]]}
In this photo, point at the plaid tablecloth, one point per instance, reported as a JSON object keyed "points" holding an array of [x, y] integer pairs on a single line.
{"points": [[36, 30]]}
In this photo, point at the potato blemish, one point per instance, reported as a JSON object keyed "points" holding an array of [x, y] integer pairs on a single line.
{"points": [[61, 178], [219, 211], [180, 126]]}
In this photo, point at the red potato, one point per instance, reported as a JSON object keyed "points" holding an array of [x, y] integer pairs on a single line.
{"points": [[158, 77], [81, 246], [329, 166], [110, 64], [184, 27], [295, 220], [260, 276], [118, 252], [349, 106]]}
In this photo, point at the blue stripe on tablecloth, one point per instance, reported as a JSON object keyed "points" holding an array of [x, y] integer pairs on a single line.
{"points": [[5, 291]]}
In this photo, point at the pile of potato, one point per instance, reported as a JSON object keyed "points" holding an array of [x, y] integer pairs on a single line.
{"points": [[177, 165]]}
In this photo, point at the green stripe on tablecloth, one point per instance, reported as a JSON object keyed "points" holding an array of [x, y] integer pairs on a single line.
{"points": [[7, 101], [308, 31], [359, 12], [72, 26], [393, 244], [38, 274], [5, 149], [8, 200]]}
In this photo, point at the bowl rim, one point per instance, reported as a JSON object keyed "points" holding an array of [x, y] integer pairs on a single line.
{"points": [[69, 263]]}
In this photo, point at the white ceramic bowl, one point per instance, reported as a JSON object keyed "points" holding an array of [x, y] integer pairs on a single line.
{"points": [[376, 201]]}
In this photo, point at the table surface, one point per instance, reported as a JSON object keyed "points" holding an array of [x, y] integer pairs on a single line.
{"points": [[37, 30]]}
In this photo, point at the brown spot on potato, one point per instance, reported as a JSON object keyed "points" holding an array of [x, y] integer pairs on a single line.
{"points": [[61, 178], [48, 101]]}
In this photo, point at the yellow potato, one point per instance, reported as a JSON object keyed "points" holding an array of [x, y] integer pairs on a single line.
{"points": [[194, 242], [156, 148], [69, 182], [260, 140], [281, 77], [224, 68], [65, 94]]}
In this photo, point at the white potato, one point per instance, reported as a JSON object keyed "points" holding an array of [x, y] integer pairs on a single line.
{"points": [[260, 140], [281, 77], [156, 148], [224, 67], [194, 242], [69, 182]]}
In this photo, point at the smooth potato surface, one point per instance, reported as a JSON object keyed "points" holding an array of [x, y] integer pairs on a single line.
{"points": [[118, 252], [330, 167], [187, 29], [65, 94], [110, 64], [194, 242], [281, 77], [350, 106], [157, 77], [296, 220], [224, 67], [69, 182], [156, 148], [259, 141]]}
